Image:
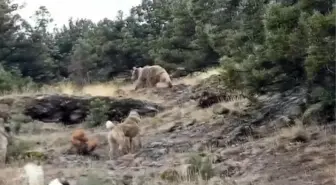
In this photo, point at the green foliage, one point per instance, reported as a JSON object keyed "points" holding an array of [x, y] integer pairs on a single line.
{"points": [[17, 149], [262, 45], [201, 165], [10, 81], [293, 44], [16, 127], [98, 113]]}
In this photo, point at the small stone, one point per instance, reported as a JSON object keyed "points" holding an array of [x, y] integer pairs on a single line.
{"points": [[189, 123], [156, 144], [219, 109], [282, 121], [138, 161], [294, 111], [224, 170], [169, 127], [198, 147], [217, 181]]}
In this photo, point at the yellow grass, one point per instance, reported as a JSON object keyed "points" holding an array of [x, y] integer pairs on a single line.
{"points": [[11, 175], [111, 88], [196, 78], [100, 89], [104, 89]]}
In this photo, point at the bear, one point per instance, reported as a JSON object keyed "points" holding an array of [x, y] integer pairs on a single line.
{"points": [[149, 76]]}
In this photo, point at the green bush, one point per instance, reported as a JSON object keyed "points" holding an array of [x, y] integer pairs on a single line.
{"points": [[17, 148], [320, 62], [98, 113], [296, 47], [10, 81], [201, 165]]}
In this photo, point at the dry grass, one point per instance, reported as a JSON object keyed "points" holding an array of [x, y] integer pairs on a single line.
{"points": [[189, 111], [285, 137], [11, 176], [330, 171], [111, 89], [57, 138], [47, 89], [99, 89], [297, 133], [180, 113], [194, 79]]}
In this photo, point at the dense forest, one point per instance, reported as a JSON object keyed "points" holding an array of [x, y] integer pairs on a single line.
{"points": [[261, 45]]}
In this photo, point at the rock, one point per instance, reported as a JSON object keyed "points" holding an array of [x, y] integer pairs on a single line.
{"points": [[198, 147], [217, 181], [154, 151], [162, 151], [282, 121], [219, 109], [74, 109], [231, 151], [143, 179], [154, 164], [189, 123], [138, 161], [156, 144], [216, 158], [7, 101], [209, 98], [169, 127], [294, 111], [180, 72], [226, 169], [127, 179], [240, 134], [238, 113]]}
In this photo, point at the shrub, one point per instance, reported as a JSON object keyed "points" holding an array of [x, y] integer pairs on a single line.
{"points": [[201, 165], [10, 81], [98, 110], [17, 148]]}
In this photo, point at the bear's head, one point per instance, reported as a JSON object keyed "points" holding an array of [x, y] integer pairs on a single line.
{"points": [[135, 73]]}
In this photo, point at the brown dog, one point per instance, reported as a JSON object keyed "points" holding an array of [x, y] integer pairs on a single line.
{"points": [[81, 143]]}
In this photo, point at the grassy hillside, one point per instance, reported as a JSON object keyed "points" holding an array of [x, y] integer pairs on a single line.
{"points": [[233, 141]]}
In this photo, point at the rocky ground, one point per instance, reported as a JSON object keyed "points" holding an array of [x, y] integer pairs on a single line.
{"points": [[200, 134]]}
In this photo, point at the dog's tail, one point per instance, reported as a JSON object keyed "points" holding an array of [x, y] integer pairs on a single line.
{"points": [[34, 173]]}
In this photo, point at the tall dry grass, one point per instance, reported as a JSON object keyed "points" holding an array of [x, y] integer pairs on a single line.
{"points": [[110, 89]]}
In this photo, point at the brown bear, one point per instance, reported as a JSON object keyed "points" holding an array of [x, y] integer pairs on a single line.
{"points": [[149, 76]]}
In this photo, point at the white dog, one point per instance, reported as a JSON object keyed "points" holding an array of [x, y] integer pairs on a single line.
{"points": [[35, 175]]}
